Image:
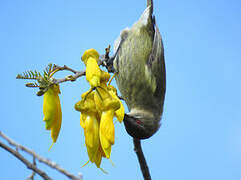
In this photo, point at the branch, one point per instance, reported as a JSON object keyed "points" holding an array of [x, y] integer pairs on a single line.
{"points": [[31, 177], [141, 159], [25, 161], [40, 159], [70, 77], [64, 68], [76, 75]]}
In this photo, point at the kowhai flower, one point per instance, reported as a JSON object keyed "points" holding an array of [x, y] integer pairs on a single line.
{"points": [[98, 107], [93, 72], [52, 111], [89, 121], [107, 129]]}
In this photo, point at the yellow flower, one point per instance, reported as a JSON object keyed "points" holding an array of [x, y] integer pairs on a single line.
{"points": [[91, 132], [98, 156], [108, 105], [93, 72], [98, 106], [107, 129], [52, 111], [85, 105], [90, 123]]}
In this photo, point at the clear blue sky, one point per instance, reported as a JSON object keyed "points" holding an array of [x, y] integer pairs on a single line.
{"points": [[200, 137]]}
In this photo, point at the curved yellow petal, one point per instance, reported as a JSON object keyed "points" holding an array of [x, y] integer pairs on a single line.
{"points": [[90, 53], [49, 108], [107, 132], [93, 72], [106, 146], [91, 132], [55, 129], [82, 120], [52, 111], [98, 157], [119, 113]]}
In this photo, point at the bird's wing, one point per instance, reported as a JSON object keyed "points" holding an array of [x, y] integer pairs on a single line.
{"points": [[156, 63]]}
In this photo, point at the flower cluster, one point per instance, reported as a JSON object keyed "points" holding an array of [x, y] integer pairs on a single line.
{"points": [[98, 107], [52, 111]]}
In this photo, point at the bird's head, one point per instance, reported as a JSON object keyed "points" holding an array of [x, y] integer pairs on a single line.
{"points": [[141, 124]]}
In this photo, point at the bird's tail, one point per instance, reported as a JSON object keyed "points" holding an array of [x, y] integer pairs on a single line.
{"points": [[150, 3]]}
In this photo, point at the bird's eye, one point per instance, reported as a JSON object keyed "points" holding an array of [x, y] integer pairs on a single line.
{"points": [[138, 122]]}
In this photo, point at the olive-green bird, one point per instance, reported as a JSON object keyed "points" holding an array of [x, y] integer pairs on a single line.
{"points": [[141, 77]]}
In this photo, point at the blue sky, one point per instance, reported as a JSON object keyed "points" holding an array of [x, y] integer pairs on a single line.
{"points": [[200, 137]]}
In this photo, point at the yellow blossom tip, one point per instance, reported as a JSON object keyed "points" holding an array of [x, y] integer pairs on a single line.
{"points": [[93, 72], [119, 113], [90, 53]]}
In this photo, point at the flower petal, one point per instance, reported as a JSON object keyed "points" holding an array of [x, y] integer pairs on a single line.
{"points": [[119, 113], [82, 120], [52, 111], [93, 72], [55, 129], [91, 132], [107, 132]]}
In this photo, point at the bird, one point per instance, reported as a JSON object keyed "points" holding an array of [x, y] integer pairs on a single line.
{"points": [[139, 64]]}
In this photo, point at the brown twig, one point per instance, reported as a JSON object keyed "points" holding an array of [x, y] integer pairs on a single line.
{"points": [[31, 177], [70, 77], [104, 58], [40, 159], [25, 161], [141, 159], [76, 75], [64, 68], [107, 52]]}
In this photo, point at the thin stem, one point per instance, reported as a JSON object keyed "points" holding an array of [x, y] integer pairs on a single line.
{"points": [[112, 78], [76, 75], [31, 177], [40, 159], [64, 68], [70, 77], [141, 159], [25, 161], [52, 73]]}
